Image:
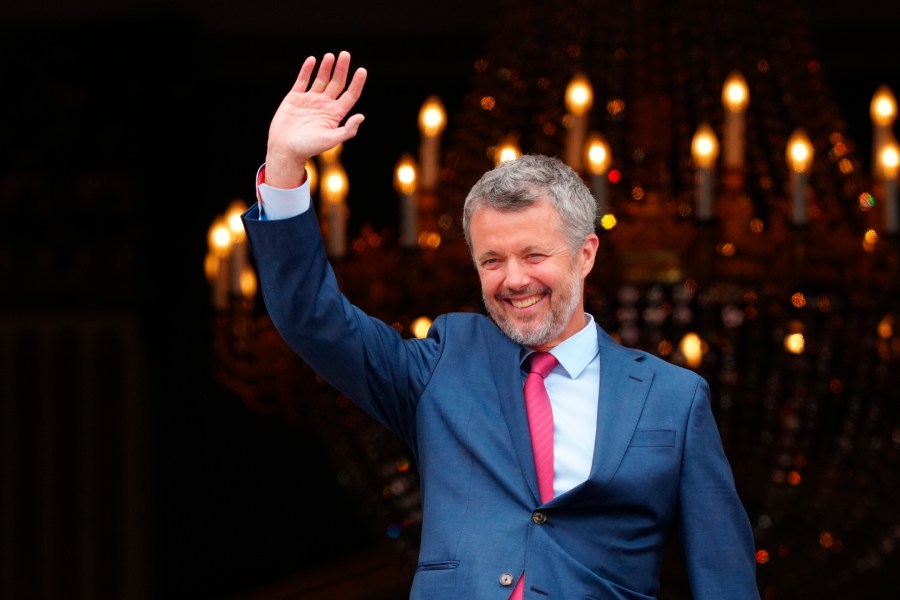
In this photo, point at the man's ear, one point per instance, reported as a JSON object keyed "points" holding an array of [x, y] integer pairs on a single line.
{"points": [[588, 253]]}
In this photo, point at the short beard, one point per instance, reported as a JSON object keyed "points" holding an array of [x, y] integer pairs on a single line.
{"points": [[539, 334]]}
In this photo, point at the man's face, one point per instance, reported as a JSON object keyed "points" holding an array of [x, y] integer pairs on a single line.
{"points": [[531, 281]]}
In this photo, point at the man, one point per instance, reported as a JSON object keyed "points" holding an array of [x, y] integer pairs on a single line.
{"points": [[633, 454]]}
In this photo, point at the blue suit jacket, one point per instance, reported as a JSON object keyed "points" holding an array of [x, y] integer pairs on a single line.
{"points": [[456, 398]]}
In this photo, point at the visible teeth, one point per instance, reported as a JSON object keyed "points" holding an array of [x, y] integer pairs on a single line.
{"points": [[526, 302]]}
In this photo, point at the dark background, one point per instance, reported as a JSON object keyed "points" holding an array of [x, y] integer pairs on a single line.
{"points": [[127, 127]]}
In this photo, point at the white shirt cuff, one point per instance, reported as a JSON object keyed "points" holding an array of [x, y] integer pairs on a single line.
{"points": [[276, 203]]}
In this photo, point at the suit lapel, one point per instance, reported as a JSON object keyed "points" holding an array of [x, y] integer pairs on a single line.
{"points": [[624, 385], [508, 381]]}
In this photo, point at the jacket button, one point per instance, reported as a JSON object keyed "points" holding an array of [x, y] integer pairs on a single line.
{"points": [[539, 518], [506, 579]]}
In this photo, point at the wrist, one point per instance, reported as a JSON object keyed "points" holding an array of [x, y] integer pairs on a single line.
{"points": [[284, 173]]}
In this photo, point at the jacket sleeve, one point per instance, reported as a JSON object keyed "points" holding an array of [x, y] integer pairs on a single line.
{"points": [[362, 357], [715, 531]]}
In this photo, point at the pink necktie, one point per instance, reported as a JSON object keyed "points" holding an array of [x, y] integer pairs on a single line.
{"points": [[540, 423]]}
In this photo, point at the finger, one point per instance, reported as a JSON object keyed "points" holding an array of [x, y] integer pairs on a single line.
{"points": [[323, 75], [354, 90], [306, 70], [339, 77]]}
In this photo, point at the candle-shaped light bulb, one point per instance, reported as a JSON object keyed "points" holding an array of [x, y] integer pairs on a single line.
{"points": [[239, 250], [799, 158], [890, 166], [405, 182], [704, 151], [334, 194], [883, 112], [219, 242], [599, 159], [432, 120], [735, 98], [579, 99], [508, 149]]}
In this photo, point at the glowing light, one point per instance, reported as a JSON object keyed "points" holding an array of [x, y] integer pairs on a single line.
{"points": [[757, 225], [890, 159], [608, 221], [883, 108], [762, 557], [615, 176], [826, 539], [795, 343], [886, 327], [727, 250], [799, 151], [432, 117], [870, 236], [247, 282], [420, 327], [794, 478], [735, 93], [312, 175], [692, 347], [637, 193], [507, 150], [798, 300], [579, 95], [402, 465], [219, 237], [704, 146], [405, 175], [615, 106], [429, 239], [488, 103], [598, 154], [334, 190]]}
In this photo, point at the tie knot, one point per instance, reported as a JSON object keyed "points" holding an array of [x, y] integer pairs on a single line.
{"points": [[541, 363]]}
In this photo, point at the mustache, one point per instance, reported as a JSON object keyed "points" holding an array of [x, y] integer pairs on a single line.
{"points": [[526, 291]]}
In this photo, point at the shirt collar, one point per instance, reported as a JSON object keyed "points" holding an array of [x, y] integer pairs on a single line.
{"points": [[576, 352]]}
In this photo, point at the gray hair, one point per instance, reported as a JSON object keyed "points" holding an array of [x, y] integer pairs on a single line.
{"points": [[516, 184]]}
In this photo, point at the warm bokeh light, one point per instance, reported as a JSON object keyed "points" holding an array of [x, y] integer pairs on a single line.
{"points": [[508, 150], [429, 239], [334, 185], [886, 327], [420, 327], [735, 93], [219, 237], [608, 221], [883, 108], [579, 95], [799, 151], [405, 175], [762, 557], [599, 157], [432, 117], [233, 219], [795, 343], [692, 348], [312, 175], [248, 283], [704, 146], [890, 159]]}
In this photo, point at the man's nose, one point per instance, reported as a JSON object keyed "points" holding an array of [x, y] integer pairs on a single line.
{"points": [[517, 275]]}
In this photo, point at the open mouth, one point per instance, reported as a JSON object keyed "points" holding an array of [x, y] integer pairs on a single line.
{"points": [[525, 302]]}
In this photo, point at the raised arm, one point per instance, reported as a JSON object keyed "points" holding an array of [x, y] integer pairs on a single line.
{"points": [[308, 120]]}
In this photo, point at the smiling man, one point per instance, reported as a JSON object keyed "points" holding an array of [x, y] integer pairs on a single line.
{"points": [[554, 462]]}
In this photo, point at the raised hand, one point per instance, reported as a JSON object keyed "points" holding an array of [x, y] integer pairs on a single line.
{"points": [[308, 120]]}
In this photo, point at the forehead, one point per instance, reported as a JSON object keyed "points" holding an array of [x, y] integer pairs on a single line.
{"points": [[538, 224]]}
